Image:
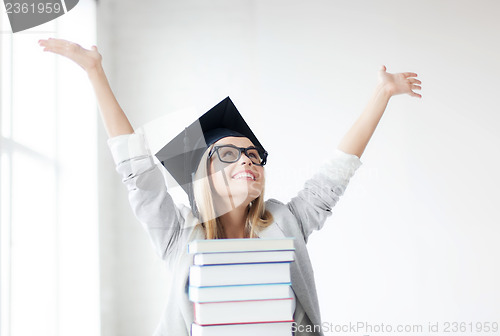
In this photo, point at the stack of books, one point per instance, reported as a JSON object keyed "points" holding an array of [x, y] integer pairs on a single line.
{"points": [[241, 287]]}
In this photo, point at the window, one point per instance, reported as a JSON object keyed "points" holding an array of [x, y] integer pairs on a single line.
{"points": [[49, 279]]}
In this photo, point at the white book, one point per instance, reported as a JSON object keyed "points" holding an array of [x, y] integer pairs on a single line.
{"points": [[242, 257], [244, 244], [231, 312], [250, 329], [239, 274], [240, 293]]}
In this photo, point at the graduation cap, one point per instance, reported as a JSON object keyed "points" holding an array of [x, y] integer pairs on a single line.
{"points": [[182, 155]]}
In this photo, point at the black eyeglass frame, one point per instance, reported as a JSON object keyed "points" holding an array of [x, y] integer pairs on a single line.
{"points": [[261, 152]]}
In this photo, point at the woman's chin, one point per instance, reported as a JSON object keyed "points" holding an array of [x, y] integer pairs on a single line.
{"points": [[244, 197], [236, 200]]}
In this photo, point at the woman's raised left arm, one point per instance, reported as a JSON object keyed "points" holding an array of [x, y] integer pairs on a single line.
{"points": [[356, 139]]}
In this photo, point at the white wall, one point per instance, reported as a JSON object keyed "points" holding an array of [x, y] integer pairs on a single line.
{"points": [[413, 240]]}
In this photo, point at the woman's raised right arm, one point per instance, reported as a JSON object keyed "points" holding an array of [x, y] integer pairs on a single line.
{"points": [[115, 120], [148, 195]]}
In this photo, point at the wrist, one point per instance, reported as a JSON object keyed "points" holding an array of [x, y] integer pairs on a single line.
{"points": [[384, 89], [95, 70]]}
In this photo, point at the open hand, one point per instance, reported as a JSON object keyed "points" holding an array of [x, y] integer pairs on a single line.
{"points": [[87, 59], [399, 83]]}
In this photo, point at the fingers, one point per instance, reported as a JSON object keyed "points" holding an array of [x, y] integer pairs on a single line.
{"points": [[405, 74], [51, 42], [414, 94], [414, 81], [43, 43], [410, 74], [58, 46], [415, 87]]}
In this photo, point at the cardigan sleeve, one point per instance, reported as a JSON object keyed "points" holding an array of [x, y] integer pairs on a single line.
{"points": [[315, 201], [147, 192]]}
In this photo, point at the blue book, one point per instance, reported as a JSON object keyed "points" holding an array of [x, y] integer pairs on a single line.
{"points": [[241, 292]]}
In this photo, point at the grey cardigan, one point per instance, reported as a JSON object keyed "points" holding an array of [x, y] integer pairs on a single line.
{"points": [[170, 227]]}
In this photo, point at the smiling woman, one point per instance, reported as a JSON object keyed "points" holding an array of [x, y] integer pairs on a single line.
{"points": [[226, 190]]}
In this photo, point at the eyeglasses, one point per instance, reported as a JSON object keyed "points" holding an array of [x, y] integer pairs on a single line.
{"points": [[230, 154]]}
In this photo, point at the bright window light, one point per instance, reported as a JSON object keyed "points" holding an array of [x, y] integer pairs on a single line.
{"points": [[49, 271]]}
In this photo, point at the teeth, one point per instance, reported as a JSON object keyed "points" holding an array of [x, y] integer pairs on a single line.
{"points": [[244, 175]]}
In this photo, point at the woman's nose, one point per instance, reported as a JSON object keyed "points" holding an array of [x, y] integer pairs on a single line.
{"points": [[245, 159]]}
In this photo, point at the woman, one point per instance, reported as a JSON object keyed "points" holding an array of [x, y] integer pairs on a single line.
{"points": [[225, 182]]}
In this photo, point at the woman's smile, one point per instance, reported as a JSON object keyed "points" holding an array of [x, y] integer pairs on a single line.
{"points": [[244, 175]]}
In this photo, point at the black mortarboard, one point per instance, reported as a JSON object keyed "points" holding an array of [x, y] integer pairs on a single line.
{"points": [[181, 156]]}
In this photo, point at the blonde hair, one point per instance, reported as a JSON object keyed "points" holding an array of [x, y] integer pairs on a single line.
{"points": [[257, 217]]}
